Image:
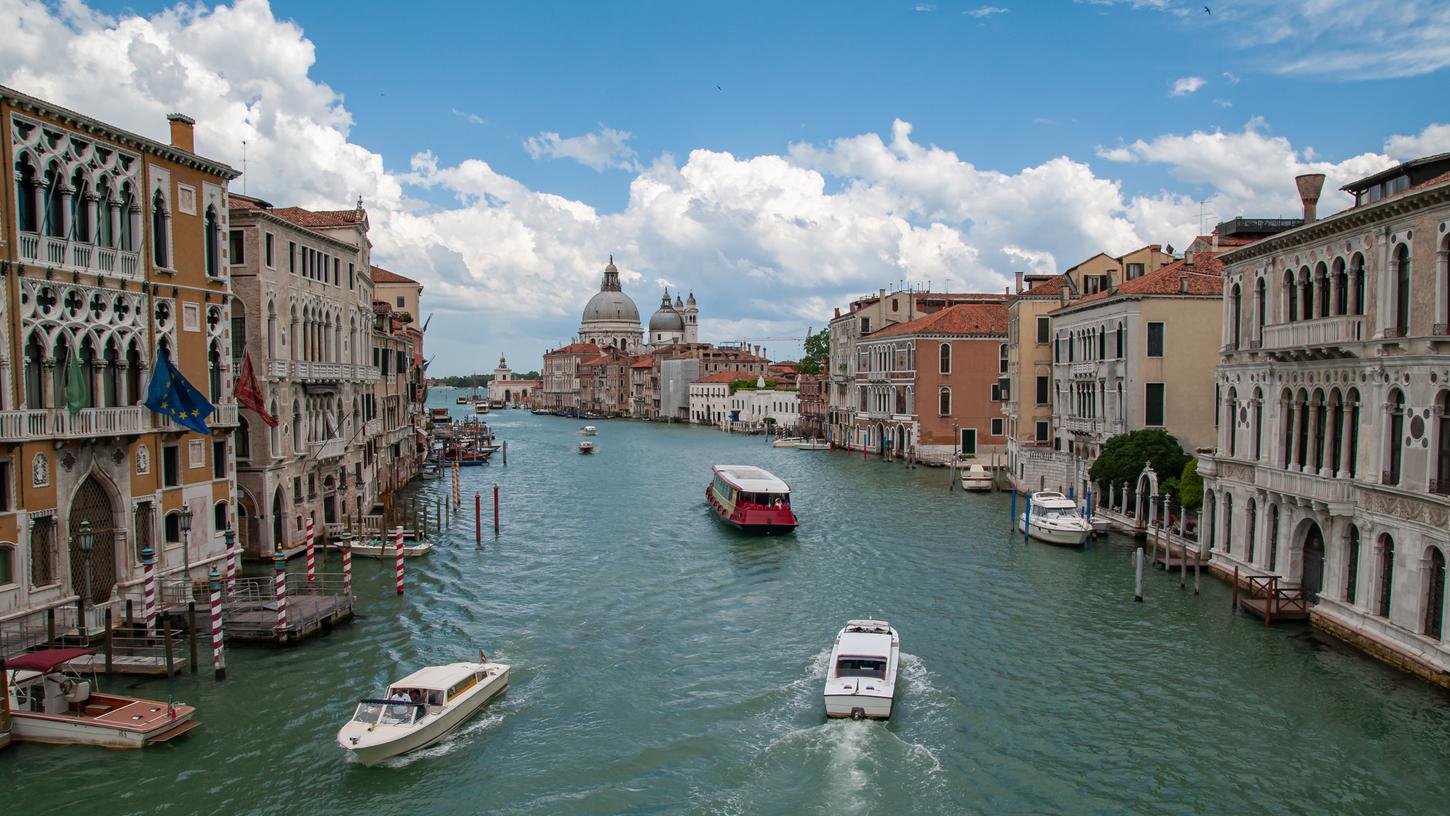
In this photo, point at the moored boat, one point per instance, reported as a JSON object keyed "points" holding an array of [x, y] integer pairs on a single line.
{"points": [[976, 478], [589, 430], [462, 400], [480, 407], [49, 705], [585, 446], [751, 498], [1053, 518], [421, 709], [1101, 526], [787, 442], [861, 677], [813, 444], [375, 546]]}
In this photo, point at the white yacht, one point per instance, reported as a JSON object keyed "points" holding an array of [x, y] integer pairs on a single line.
{"points": [[861, 678], [976, 478], [813, 444], [585, 446], [421, 709], [1053, 518], [787, 442], [589, 430]]}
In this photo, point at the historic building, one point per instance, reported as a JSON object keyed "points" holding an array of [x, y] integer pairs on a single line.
{"points": [[710, 398], [397, 443], [507, 390], [304, 317], [1331, 469], [673, 323], [928, 388], [114, 248], [610, 317], [812, 404], [560, 391]]}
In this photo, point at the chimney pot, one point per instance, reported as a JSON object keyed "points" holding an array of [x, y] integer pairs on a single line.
{"points": [[183, 132], [1188, 259], [1310, 184], [1183, 286], [1019, 280]]}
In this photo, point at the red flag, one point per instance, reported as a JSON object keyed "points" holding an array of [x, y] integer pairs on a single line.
{"points": [[249, 393]]}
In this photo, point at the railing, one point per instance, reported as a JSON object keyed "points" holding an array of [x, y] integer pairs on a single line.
{"points": [[59, 423], [1277, 600], [1308, 333], [1307, 485], [1084, 369], [77, 256], [277, 369], [316, 371], [330, 449], [225, 416], [1440, 487]]}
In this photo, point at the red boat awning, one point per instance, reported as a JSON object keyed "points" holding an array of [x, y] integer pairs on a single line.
{"points": [[46, 659]]}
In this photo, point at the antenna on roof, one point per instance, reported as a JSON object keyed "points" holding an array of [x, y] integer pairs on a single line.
{"points": [[244, 167]]}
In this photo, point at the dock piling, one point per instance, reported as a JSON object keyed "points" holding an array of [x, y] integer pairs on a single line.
{"points": [[148, 591], [166, 644], [1026, 520], [398, 557], [346, 547], [1236, 588], [1138, 575], [311, 553], [478, 518], [1197, 560], [495, 508], [230, 585], [279, 567], [218, 661], [108, 641], [505, 453], [191, 631]]}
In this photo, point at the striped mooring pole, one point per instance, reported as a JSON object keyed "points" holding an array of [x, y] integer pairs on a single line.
{"points": [[279, 566], [346, 546], [231, 576], [218, 660], [148, 564], [311, 554], [398, 559]]}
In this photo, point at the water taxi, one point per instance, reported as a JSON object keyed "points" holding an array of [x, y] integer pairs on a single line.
{"points": [[375, 546], [976, 478], [751, 498], [787, 442], [481, 407], [462, 400], [1053, 518], [813, 444], [585, 446], [421, 709], [589, 430], [49, 705], [861, 677]]}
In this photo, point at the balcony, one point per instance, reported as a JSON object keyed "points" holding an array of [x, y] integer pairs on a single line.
{"points": [[76, 256], [1306, 485], [1083, 370], [225, 416], [319, 372], [59, 423], [330, 449], [1314, 339], [372, 428]]}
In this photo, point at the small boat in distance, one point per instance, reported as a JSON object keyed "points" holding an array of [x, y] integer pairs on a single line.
{"points": [[585, 446], [976, 478], [861, 677], [421, 709], [375, 546], [48, 705], [751, 498], [787, 442], [480, 407], [813, 444], [462, 400], [1053, 518], [589, 430]]}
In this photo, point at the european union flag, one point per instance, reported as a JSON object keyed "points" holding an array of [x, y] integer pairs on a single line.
{"points": [[171, 395]]}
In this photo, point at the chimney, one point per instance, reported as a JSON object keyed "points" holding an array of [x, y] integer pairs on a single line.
{"points": [[1309, 186], [1019, 281], [183, 136], [838, 311], [1188, 259], [1183, 286]]}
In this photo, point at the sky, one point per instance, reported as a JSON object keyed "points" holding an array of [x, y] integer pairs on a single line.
{"points": [[777, 160]]}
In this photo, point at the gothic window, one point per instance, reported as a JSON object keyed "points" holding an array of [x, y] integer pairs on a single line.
{"points": [[1351, 580], [1386, 575], [944, 402], [159, 224], [42, 552], [25, 188], [945, 353], [1402, 290], [1395, 442]]}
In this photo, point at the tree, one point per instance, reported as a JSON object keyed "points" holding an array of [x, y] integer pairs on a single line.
{"points": [[818, 352], [1190, 485], [1124, 456]]}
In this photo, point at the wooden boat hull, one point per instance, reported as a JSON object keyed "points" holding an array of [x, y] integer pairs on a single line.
{"points": [[155, 725]]}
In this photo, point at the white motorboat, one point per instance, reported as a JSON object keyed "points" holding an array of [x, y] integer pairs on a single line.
{"points": [[585, 446], [976, 478], [1053, 518], [1100, 525], [787, 442], [480, 407], [49, 705], [382, 547], [861, 678], [589, 430], [813, 445], [421, 709]]}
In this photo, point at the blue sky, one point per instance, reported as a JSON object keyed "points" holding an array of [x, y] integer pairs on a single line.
{"points": [[506, 149]]}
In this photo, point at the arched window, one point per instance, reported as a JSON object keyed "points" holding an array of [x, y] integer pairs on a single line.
{"points": [[219, 522], [1341, 288], [1321, 288], [1435, 596], [105, 210], [243, 442], [1351, 578], [80, 207], [214, 370], [26, 185], [1336, 432], [1387, 575], [211, 242], [1306, 293], [128, 210], [1441, 482], [298, 434], [34, 371], [171, 527], [1250, 526], [1210, 503], [274, 433], [1395, 439], [111, 376], [1228, 523], [1321, 421], [1258, 416], [1291, 298], [1230, 418], [944, 401], [1237, 316], [1122, 340], [1356, 283], [1261, 306], [1402, 290], [54, 215], [159, 228], [1301, 460], [944, 353], [7, 563]]}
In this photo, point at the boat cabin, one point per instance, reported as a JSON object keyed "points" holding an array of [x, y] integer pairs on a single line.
{"points": [[854, 666], [748, 487]]}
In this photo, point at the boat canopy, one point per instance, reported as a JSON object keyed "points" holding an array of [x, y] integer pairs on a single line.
{"points": [[45, 660], [751, 479], [437, 678]]}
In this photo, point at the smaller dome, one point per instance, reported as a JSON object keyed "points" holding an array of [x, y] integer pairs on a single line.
{"points": [[691, 300], [666, 321]]}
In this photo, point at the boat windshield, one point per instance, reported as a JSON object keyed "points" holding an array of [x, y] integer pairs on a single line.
{"points": [[368, 712], [766, 499], [861, 667]]}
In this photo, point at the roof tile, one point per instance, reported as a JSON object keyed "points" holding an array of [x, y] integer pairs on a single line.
{"points": [[963, 318]]}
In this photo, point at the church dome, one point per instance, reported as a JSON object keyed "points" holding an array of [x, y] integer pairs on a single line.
{"points": [[610, 305], [666, 319]]}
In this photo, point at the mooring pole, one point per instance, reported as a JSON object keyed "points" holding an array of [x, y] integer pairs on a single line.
{"points": [[1138, 575], [191, 631], [495, 508], [108, 641], [398, 557], [279, 588], [218, 661], [1235, 600], [1197, 560], [311, 554], [148, 591]]}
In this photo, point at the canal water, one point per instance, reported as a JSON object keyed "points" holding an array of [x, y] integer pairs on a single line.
{"points": [[663, 663]]}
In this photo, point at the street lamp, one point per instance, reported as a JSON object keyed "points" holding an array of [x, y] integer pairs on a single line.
{"points": [[88, 542], [186, 544]]}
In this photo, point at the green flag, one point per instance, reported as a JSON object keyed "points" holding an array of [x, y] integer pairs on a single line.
{"points": [[75, 386]]}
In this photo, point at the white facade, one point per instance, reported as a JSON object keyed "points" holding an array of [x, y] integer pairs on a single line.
{"points": [[710, 403], [753, 406]]}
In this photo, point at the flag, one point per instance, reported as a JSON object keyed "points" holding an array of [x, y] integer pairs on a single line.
{"points": [[75, 383], [171, 395], [249, 393]]}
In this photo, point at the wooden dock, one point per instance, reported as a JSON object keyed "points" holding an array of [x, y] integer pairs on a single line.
{"points": [[142, 664], [307, 615], [1266, 599]]}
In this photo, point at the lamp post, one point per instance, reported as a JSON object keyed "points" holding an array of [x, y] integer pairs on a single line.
{"points": [[186, 544], [87, 542]]}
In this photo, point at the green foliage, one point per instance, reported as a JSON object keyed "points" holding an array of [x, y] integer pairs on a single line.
{"points": [[769, 420], [465, 380], [1190, 485], [1124, 456], [818, 352], [749, 385]]}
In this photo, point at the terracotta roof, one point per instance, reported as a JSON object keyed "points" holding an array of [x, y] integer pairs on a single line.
{"points": [[645, 363], [595, 361], [381, 275], [1440, 179], [575, 348], [320, 218], [1204, 277], [1051, 287], [1154, 247], [963, 318], [237, 201], [726, 377]]}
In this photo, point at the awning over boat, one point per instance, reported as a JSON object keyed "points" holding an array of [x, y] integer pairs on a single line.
{"points": [[46, 659]]}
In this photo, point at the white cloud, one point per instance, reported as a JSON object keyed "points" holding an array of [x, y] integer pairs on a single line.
{"points": [[1231, 78], [985, 11], [1187, 85], [1433, 139], [600, 149], [471, 118], [925, 7], [769, 243], [1223, 103]]}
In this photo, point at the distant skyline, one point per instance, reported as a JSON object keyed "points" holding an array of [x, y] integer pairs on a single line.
{"points": [[777, 160]]}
